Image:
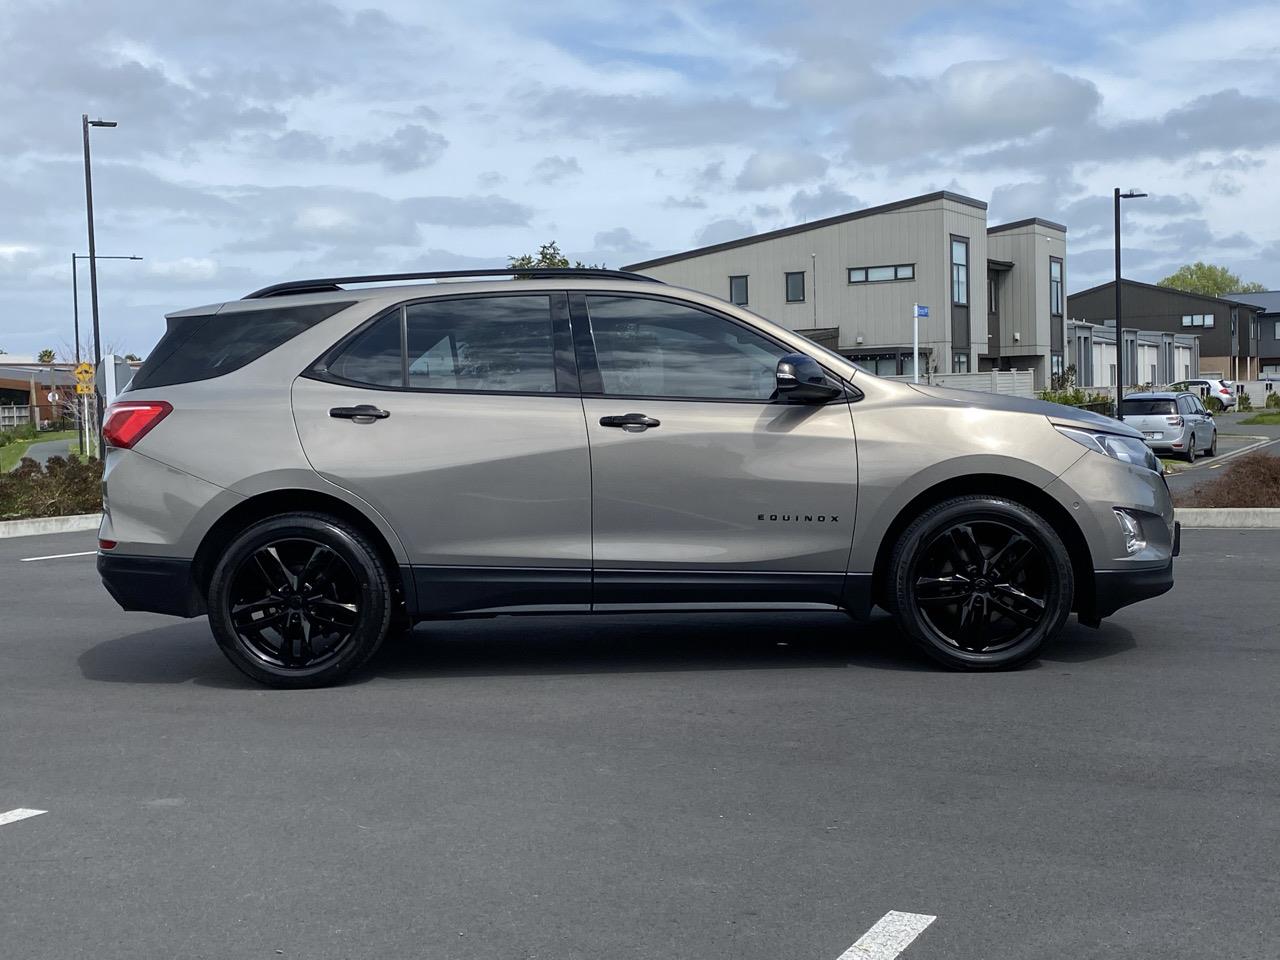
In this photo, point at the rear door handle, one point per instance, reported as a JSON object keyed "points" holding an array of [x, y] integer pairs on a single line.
{"points": [[362, 413], [631, 422]]}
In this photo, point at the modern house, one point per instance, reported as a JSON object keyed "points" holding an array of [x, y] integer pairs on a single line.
{"points": [[995, 295], [1227, 328], [1268, 305], [1156, 357], [25, 389]]}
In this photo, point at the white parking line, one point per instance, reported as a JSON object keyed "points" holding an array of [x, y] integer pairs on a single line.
{"points": [[13, 816], [59, 556], [891, 935]]}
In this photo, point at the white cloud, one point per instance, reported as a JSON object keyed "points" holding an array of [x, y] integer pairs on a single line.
{"points": [[779, 167]]}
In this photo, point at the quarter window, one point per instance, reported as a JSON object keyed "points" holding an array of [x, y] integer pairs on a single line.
{"points": [[653, 348], [1055, 287], [738, 290], [795, 287], [960, 271]]}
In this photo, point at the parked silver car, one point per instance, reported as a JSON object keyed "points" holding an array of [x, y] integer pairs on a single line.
{"points": [[1223, 390], [315, 466], [1172, 422]]}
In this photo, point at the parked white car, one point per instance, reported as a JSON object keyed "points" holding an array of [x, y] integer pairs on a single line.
{"points": [[1224, 390]]}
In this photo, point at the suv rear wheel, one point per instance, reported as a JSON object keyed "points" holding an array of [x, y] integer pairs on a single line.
{"points": [[979, 583], [300, 600]]}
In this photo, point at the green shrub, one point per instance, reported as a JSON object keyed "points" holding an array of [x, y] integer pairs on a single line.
{"points": [[1273, 401], [1243, 402], [59, 488], [1214, 405]]}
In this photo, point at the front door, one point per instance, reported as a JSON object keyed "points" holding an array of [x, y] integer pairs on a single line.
{"points": [[480, 462], [704, 489]]}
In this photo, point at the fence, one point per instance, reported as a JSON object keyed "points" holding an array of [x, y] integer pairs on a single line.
{"points": [[1017, 383], [14, 416]]}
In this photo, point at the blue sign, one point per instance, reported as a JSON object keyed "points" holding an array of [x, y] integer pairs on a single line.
{"points": [[921, 311]]}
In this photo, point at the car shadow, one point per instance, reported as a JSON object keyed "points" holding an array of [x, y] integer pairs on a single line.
{"points": [[542, 646]]}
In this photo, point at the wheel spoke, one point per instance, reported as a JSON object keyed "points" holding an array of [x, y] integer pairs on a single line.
{"points": [[315, 573], [964, 549], [1010, 558], [243, 615], [273, 570], [1011, 610], [942, 589], [343, 615], [974, 616]]}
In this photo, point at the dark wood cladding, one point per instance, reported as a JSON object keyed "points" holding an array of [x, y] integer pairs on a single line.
{"points": [[1149, 307]]}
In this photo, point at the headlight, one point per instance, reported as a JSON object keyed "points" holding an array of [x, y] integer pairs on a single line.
{"points": [[1128, 449]]}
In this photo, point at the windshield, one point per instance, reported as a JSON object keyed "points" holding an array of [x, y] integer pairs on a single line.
{"points": [[1148, 408]]}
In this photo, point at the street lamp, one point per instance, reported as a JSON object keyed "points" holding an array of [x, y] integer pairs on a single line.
{"points": [[1128, 195], [75, 309], [85, 124]]}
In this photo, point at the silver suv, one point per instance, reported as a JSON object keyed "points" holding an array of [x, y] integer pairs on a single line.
{"points": [[316, 466]]}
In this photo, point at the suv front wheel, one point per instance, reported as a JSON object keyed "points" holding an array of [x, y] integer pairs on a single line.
{"points": [[300, 600], [980, 582]]}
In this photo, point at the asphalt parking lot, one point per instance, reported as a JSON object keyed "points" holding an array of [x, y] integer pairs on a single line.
{"points": [[736, 787]]}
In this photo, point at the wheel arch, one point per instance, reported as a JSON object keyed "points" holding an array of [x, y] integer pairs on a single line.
{"points": [[1006, 487], [293, 500]]}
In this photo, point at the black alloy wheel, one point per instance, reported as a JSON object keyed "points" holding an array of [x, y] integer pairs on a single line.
{"points": [[981, 582], [299, 600]]}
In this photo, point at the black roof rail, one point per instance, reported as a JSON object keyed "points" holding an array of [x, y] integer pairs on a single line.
{"points": [[329, 284]]}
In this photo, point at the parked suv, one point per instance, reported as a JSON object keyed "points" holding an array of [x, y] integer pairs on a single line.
{"points": [[315, 466]]}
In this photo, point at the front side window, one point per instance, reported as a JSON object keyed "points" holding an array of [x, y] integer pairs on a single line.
{"points": [[960, 271], [795, 287], [1055, 287], [738, 291], [472, 345], [653, 348]]}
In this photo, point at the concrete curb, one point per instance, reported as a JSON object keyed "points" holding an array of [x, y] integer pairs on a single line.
{"points": [[1230, 518], [39, 525]]}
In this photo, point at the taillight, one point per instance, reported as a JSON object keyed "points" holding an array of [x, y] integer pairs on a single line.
{"points": [[1173, 421], [106, 544], [1224, 391], [129, 422]]}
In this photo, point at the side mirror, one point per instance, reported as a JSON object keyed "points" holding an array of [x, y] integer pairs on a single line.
{"points": [[801, 380]]}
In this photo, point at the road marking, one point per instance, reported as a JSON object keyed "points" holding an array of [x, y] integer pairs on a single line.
{"points": [[13, 816], [891, 935], [59, 556]]}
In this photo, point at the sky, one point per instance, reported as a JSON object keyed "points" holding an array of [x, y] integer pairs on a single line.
{"points": [[262, 140]]}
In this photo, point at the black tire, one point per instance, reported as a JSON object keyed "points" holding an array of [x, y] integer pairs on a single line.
{"points": [[1191, 449], [300, 600], [951, 597], [1213, 447]]}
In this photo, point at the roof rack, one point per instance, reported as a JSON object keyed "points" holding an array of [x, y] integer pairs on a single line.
{"points": [[330, 284]]}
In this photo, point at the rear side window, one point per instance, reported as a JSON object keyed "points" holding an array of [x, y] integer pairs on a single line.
{"points": [[204, 347], [1148, 408], [502, 344]]}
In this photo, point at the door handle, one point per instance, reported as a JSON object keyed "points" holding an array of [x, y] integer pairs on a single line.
{"points": [[631, 422], [362, 413]]}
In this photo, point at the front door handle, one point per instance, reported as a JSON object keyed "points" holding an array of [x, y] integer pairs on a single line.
{"points": [[631, 422], [362, 413]]}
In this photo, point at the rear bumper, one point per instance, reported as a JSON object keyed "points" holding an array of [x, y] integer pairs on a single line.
{"points": [[151, 584]]}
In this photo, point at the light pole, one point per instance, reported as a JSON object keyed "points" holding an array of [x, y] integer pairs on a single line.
{"points": [[75, 309], [1128, 195], [85, 124]]}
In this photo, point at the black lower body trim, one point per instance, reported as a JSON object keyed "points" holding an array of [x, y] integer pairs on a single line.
{"points": [[1114, 589], [442, 591], [642, 587], [151, 584]]}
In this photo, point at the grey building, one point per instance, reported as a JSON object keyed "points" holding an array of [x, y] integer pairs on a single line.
{"points": [[1268, 305], [851, 282], [1228, 329]]}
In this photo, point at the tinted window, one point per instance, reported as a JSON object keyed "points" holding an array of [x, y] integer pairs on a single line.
{"points": [[1148, 408], [499, 344], [373, 356], [652, 348], [204, 347]]}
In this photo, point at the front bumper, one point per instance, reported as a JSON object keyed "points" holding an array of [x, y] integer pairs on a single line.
{"points": [[151, 584], [1113, 589]]}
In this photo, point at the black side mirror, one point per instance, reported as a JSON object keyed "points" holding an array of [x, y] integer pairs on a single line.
{"points": [[801, 380]]}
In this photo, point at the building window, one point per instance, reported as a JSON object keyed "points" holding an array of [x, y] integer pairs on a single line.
{"points": [[1055, 287], [738, 290], [960, 363], [960, 271], [795, 287], [1055, 364], [993, 301], [1277, 330], [897, 271], [1197, 320]]}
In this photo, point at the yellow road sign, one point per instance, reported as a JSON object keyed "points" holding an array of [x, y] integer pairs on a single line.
{"points": [[84, 372], [84, 388]]}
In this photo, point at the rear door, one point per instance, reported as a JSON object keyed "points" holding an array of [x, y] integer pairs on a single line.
{"points": [[459, 420], [705, 489]]}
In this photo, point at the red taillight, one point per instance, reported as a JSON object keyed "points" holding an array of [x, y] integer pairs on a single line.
{"points": [[130, 421], [1173, 421], [106, 544], [1224, 391]]}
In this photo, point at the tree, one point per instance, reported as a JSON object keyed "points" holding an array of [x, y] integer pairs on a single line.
{"points": [[133, 358], [1209, 280], [549, 255], [45, 356]]}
